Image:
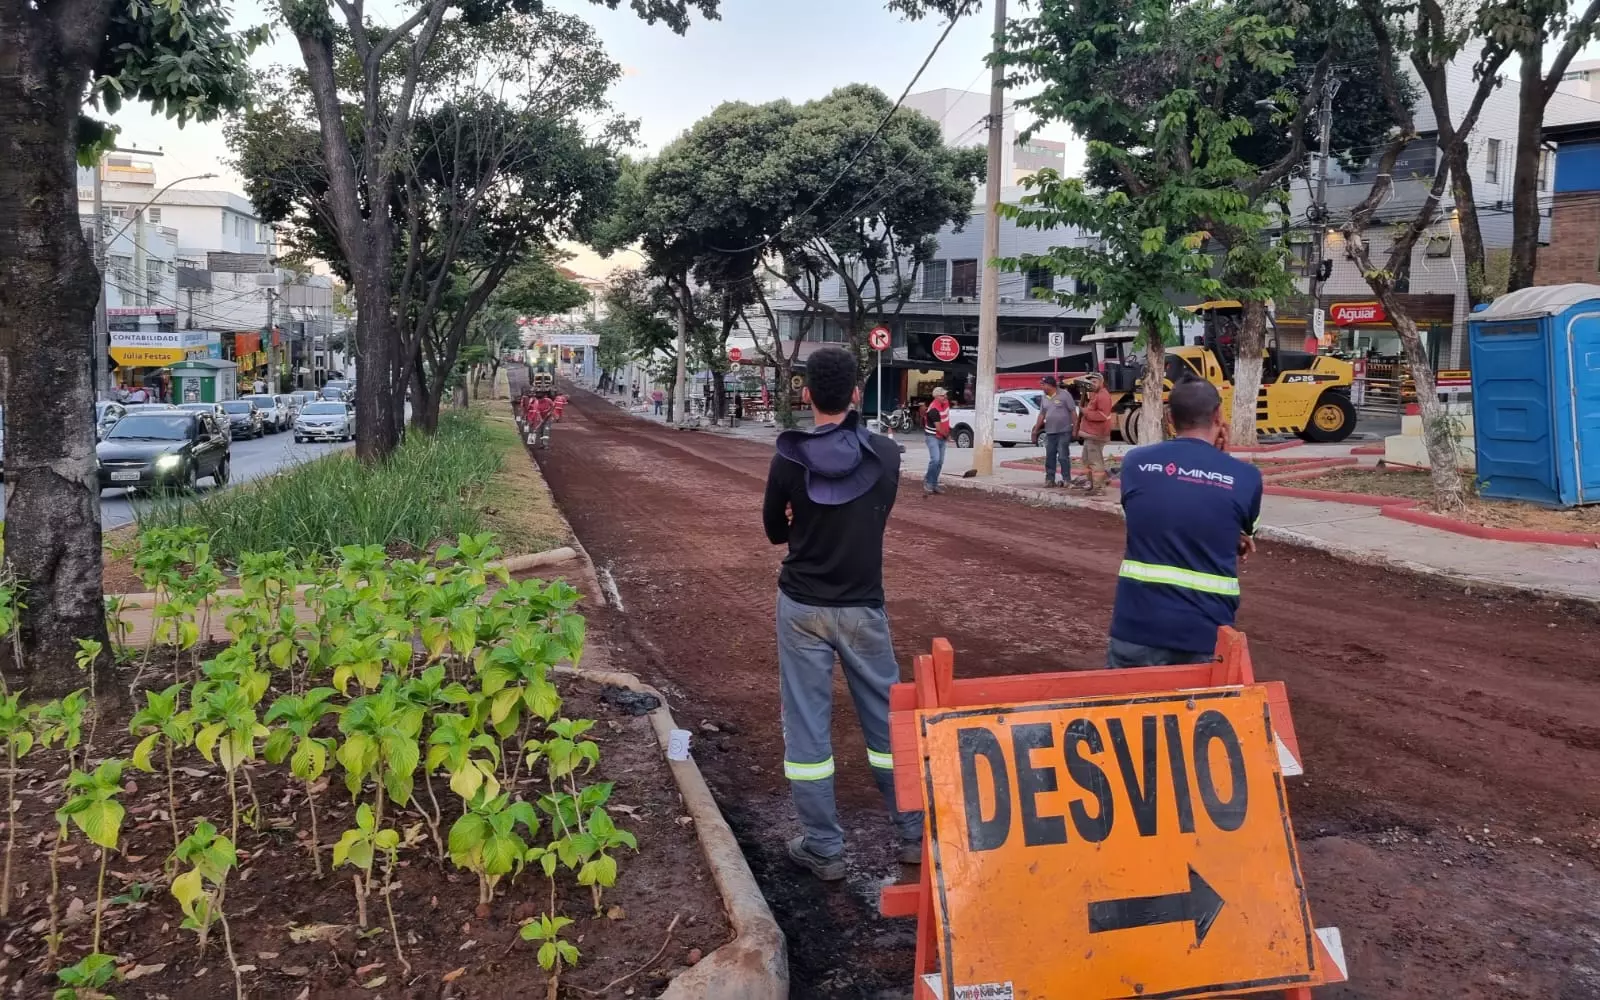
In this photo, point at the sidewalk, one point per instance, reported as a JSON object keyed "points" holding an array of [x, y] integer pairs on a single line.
{"points": [[1350, 531], [1360, 534]]}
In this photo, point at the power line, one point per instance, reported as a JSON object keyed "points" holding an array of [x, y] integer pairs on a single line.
{"points": [[864, 146]]}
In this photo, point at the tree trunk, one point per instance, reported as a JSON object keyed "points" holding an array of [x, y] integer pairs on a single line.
{"points": [[1152, 387], [1247, 374], [377, 434], [782, 405], [48, 290], [1471, 231], [1443, 459], [680, 388], [425, 399], [1525, 178], [719, 398]]}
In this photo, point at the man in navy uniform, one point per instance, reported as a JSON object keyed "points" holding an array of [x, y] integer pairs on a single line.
{"points": [[1192, 512]]}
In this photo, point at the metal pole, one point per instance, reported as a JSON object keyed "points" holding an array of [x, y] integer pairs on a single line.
{"points": [[1325, 127], [881, 424], [272, 360], [989, 297]]}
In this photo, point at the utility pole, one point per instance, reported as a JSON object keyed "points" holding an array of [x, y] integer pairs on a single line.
{"points": [[266, 336], [140, 265], [1319, 213], [100, 354], [989, 294]]}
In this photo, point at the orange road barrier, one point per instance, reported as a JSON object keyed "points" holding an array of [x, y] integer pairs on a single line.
{"points": [[1105, 834]]}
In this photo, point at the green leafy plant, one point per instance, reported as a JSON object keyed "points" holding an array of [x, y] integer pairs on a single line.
{"points": [[87, 979], [485, 840], [554, 952], [381, 730], [93, 808], [307, 754], [358, 848], [162, 721], [87, 657], [202, 890], [16, 728], [227, 735]]}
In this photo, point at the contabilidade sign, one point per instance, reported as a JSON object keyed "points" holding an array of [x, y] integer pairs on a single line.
{"points": [[1114, 848]]}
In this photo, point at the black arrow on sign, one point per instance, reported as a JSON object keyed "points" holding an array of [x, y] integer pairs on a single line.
{"points": [[1200, 904]]}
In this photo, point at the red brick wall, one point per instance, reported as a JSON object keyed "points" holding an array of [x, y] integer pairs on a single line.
{"points": [[1574, 250]]}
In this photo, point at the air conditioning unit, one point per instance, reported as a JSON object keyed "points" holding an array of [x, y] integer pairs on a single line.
{"points": [[957, 299], [1006, 300]]}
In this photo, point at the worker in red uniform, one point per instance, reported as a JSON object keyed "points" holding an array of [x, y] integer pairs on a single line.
{"points": [[547, 413], [561, 405], [1191, 513]]}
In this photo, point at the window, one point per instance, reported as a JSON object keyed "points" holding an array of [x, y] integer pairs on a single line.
{"points": [[1438, 246], [1491, 172], [1039, 277], [1085, 286], [113, 211], [1010, 405], [1575, 74], [934, 278], [154, 215], [1544, 170], [964, 279]]}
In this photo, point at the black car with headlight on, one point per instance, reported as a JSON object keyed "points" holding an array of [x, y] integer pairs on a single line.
{"points": [[173, 449]]}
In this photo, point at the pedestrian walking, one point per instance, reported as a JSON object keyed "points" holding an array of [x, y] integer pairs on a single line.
{"points": [[936, 432], [1058, 415], [658, 398], [828, 497], [1094, 425], [738, 408], [1191, 517]]}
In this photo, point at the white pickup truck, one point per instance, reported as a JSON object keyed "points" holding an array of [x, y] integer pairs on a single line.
{"points": [[1015, 413]]}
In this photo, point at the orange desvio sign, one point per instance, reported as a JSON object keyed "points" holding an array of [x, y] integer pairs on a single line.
{"points": [[1114, 848]]}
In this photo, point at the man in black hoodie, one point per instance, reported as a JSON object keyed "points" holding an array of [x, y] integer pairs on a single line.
{"points": [[829, 493]]}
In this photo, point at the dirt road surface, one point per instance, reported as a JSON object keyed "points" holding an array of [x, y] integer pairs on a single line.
{"points": [[1449, 819]]}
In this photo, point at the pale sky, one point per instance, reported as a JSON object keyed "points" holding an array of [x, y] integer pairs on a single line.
{"points": [[761, 50]]}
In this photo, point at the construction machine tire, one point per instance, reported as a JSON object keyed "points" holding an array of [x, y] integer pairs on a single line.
{"points": [[1332, 420], [1130, 425]]}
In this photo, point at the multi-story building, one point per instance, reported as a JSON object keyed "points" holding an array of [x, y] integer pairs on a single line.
{"points": [[201, 260], [962, 116], [945, 303], [1436, 292]]}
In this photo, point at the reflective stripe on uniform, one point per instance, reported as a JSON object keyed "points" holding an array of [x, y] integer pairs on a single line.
{"points": [[881, 759], [1177, 576], [808, 772]]}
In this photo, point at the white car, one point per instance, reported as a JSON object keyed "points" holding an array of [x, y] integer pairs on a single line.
{"points": [[275, 415], [1014, 416], [327, 420]]}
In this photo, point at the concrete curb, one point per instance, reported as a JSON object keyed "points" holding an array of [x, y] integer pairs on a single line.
{"points": [[755, 964], [1288, 536]]}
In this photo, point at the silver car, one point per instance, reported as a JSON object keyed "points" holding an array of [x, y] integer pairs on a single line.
{"points": [[325, 421], [216, 410]]}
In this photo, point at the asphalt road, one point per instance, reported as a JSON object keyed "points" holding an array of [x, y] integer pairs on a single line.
{"points": [[251, 460]]}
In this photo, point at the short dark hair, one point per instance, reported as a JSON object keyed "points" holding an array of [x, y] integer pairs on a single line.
{"points": [[831, 377], [1193, 404]]}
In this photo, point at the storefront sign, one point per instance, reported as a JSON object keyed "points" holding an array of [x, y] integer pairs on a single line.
{"points": [[942, 348], [1114, 848], [147, 357], [569, 339], [1351, 313]]}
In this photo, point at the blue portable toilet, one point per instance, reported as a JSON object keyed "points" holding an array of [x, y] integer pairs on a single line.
{"points": [[1536, 395]]}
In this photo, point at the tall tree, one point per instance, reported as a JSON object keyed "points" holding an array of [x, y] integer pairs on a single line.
{"points": [[181, 58], [1110, 67], [1529, 26], [500, 166], [365, 164], [1434, 40]]}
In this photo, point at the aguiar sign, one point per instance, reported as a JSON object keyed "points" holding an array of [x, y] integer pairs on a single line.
{"points": [[1114, 848]]}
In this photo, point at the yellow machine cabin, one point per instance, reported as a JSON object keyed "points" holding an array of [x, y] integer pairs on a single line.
{"points": [[1302, 393]]}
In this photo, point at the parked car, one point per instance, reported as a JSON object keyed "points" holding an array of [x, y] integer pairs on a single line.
{"points": [[302, 397], [175, 449], [216, 410], [106, 414], [147, 408], [326, 421], [244, 419], [274, 414], [1014, 414]]}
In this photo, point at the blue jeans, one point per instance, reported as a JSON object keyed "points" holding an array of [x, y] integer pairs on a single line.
{"points": [[1058, 445], [809, 640], [936, 445], [1121, 653]]}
